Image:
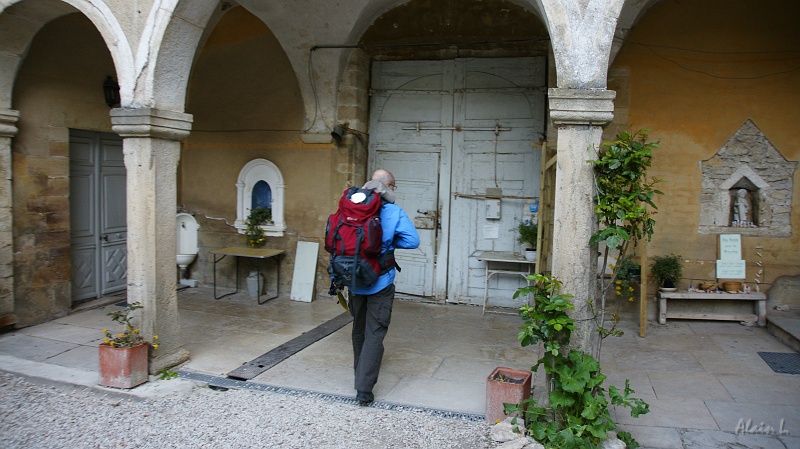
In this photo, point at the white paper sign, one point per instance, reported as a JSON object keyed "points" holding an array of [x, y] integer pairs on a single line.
{"points": [[730, 247], [730, 269], [491, 231]]}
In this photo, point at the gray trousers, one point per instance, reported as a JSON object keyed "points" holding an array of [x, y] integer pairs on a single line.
{"points": [[371, 317]]}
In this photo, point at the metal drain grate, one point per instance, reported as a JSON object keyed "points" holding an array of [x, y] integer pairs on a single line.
{"points": [[266, 361], [782, 362], [217, 382]]}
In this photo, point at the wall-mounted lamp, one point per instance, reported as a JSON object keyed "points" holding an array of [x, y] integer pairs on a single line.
{"points": [[340, 130], [111, 91], [338, 133]]}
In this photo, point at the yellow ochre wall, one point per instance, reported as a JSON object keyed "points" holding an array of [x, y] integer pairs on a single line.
{"points": [[695, 72], [246, 104]]}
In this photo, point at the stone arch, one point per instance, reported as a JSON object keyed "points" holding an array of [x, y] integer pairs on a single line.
{"points": [[171, 41], [26, 17], [582, 33]]}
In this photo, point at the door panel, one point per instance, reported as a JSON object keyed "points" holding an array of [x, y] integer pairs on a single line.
{"points": [[416, 175], [480, 118], [113, 212], [98, 228]]}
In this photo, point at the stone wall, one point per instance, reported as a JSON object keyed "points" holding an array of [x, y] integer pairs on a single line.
{"points": [[749, 163]]}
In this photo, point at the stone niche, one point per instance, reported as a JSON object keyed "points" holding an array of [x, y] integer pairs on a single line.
{"points": [[747, 187]]}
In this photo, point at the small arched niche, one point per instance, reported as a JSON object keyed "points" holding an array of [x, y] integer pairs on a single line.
{"points": [[260, 184], [747, 187]]}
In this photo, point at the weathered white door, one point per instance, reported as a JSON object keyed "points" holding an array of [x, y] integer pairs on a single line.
{"points": [[98, 228], [457, 130]]}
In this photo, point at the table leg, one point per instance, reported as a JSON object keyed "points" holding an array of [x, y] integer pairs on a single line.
{"points": [[761, 311], [215, 277], [662, 311], [277, 282], [486, 289]]}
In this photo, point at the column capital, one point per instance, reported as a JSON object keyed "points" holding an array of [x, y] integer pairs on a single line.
{"points": [[8, 122], [149, 122], [581, 106]]}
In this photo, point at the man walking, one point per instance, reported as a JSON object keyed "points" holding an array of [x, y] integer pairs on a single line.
{"points": [[371, 306]]}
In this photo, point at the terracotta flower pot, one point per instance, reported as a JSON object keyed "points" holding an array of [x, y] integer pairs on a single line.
{"points": [[512, 389], [123, 367]]}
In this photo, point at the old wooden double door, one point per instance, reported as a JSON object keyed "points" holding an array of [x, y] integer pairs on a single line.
{"points": [[453, 131], [98, 228]]}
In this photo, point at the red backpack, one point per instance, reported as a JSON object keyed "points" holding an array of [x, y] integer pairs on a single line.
{"points": [[353, 237]]}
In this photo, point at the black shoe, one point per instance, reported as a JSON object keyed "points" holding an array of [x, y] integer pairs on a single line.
{"points": [[365, 398]]}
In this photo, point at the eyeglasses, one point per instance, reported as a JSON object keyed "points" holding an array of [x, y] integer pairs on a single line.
{"points": [[393, 187]]}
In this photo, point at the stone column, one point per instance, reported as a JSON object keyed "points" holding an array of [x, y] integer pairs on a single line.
{"points": [[151, 148], [8, 129], [579, 115]]}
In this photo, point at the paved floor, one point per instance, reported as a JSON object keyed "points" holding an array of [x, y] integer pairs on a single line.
{"points": [[702, 379]]}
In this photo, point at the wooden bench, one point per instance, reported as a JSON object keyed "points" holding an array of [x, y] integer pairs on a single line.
{"points": [[760, 306]]}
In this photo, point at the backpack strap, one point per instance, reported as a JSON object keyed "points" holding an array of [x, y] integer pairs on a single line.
{"points": [[387, 262]]}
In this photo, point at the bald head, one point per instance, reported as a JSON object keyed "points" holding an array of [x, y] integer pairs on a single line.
{"points": [[384, 176]]}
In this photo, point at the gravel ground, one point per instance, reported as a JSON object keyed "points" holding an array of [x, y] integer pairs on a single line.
{"points": [[39, 416]]}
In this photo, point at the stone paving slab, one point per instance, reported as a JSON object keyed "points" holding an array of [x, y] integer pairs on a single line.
{"points": [[78, 335], [736, 415], [654, 437], [769, 388], [710, 439], [680, 413], [32, 348], [78, 357], [465, 397], [674, 384]]}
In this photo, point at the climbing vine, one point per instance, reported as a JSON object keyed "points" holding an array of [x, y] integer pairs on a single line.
{"points": [[624, 206], [578, 415]]}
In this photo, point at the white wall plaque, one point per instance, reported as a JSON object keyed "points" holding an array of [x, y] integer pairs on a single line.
{"points": [[730, 269], [730, 247]]}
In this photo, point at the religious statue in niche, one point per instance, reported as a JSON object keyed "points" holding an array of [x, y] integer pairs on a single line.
{"points": [[742, 209]]}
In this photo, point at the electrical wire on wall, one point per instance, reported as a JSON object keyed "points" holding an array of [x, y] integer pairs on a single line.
{"points": [[793, 56]]}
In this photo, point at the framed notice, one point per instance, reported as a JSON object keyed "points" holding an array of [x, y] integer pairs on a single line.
{"points": [[730, 269], [730, 246]]}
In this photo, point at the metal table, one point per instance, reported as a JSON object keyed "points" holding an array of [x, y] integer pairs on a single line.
{"points": [[252, 253], [496, 257]]}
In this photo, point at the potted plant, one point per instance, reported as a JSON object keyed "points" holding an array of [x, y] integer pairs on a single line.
{"points": [[528, 236], [258, 216], [667, 270], [505, 386], [629, 272], [124, 356]]}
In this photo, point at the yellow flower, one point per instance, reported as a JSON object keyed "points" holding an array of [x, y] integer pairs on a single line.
{"points": [[106, 340], [155, 337], [105, 330], [155, 346], [128, 327], [630, 288], [630, 299], [120, 335], [111, 343], [619, 282], [136, 331]]}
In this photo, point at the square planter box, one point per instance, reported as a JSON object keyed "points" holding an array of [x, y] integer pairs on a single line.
{"points": [[513, 390], [123, 367]]}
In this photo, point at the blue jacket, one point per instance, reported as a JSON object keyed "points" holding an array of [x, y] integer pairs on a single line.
{"points": [[398, 233]]}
